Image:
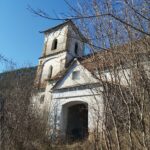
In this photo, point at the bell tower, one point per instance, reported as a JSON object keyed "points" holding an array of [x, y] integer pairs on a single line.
{"points": [[62, 44]]}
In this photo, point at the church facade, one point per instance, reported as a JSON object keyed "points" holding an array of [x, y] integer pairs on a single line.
{"points": [[69, 90]]}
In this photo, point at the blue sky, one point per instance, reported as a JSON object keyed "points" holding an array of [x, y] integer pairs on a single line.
{"points": [[20, 39]]}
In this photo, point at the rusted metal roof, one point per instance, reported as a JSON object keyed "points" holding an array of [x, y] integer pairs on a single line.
{"points": [[118, 56]]}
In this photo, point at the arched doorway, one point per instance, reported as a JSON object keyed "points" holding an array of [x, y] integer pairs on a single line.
{"points": [[75, 120]]}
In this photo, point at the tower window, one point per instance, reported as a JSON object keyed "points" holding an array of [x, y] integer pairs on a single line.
{"points": [[76, 75], [42, 99], [50, 72], [76, 49], [54, 44]]}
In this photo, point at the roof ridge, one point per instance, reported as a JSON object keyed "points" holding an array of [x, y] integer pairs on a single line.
{"points": [[56, 26]]}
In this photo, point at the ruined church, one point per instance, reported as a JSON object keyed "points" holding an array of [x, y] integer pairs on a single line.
{"points": [[68, 83]]}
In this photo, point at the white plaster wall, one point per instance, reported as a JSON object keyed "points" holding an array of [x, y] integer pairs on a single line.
{"points": [[60, 35], [122, 77], [43, 109], [39, 107], [56, 61]]}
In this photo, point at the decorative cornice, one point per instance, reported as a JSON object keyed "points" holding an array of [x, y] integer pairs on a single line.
{"points": [[52, 54]]}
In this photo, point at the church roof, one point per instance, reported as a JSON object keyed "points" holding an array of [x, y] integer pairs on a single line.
{"points": [[67, 22], [118, 55], [59, 75]]}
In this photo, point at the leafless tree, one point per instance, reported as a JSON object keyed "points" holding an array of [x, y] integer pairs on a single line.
{"points": [[109, 24], [19, 128], [123, 71]]}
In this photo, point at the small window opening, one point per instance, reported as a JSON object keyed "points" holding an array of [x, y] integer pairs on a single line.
{"points": [[42, 99], [54, 44], [50, 72], [76, 75], [76, 48]]}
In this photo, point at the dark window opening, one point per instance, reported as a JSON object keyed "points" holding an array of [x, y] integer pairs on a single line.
{"points": [[76, 75], [77, 122], [42, 99], [50, 72], [76, 49], [54, 44]]}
